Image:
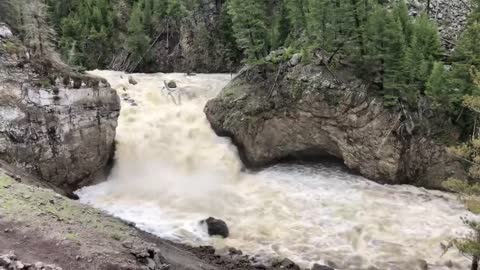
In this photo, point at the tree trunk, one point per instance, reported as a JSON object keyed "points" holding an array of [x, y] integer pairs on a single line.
{"points": [[428, 7], [475, 260], [252, 41]]}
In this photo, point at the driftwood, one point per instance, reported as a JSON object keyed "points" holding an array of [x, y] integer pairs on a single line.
{"points": [[120, 62], [146, 52], [321, 56], [448, 41], [384, 140], [280, 68]]}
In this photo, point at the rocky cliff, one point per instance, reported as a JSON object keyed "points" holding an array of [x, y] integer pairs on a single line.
{"points": [[305, 112], [55, 124]]}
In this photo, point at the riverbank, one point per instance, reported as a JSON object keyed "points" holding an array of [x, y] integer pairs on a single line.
{"points": [[42, 226]]}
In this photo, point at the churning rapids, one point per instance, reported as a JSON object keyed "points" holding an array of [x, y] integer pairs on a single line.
{"points": [[172, 171]]}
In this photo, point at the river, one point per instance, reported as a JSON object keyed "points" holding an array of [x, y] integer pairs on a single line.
{"points": [[172, 171]]}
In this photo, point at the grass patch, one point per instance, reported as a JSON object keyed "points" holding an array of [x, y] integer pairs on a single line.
{"points": [[116, 236], [473, 206], [12, 47]]}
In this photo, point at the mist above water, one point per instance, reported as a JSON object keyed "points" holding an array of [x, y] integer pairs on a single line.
{"points": [[171, 171]]}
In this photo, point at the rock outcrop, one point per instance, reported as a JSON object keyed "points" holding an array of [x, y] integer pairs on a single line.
{"points": [[55, 124], [304, 112]]}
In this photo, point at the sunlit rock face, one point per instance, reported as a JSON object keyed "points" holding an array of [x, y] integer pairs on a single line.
{"points": [[59, 128]]}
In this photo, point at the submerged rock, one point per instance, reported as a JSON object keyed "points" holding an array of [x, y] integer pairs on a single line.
{"points": [[321, 267], [172, 84], [286, 264], [305, 113], [132, 81], [216, 227]]}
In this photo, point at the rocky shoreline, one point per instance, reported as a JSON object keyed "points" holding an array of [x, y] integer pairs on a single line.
{"points": [[38, 225]]}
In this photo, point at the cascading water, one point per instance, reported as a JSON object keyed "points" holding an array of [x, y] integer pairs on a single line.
{"points": [[172, 171]]}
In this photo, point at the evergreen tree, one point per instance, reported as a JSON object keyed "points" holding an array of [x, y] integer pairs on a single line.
{"points": [[439, 89], [90, 26], [32, 20], [319, 21], [467, 57], [427, 38], [296, 12], [469, 189], [424, 49], [387, 47], [400, 12], [138, 40], [4, 10], [393, 52], [249, 27]]}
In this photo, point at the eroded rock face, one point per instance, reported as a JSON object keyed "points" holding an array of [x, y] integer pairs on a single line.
{"points": [[304, 113], [58, 128]]}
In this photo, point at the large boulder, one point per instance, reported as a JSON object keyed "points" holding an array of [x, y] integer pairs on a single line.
{"points": [[55, 124], [304, 112], [216, 227], [5, 31]]}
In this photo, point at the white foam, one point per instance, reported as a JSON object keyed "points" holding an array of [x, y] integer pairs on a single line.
{"points": [[172, 171]]}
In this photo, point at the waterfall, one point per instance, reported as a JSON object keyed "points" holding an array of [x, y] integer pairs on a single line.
{"points": [[171, 171]]}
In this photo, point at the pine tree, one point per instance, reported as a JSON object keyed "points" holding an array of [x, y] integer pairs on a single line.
{"points": [[469, 189], [33, 22], [248, 17], [423, 50], [467, 56], [138, 40], [400, 13], [4, 10], [394, 51], [428, 39], [296, 12], [440, 90], [89, 26], [415, 66], [387, 47], [148, 17], [319, 22]]}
